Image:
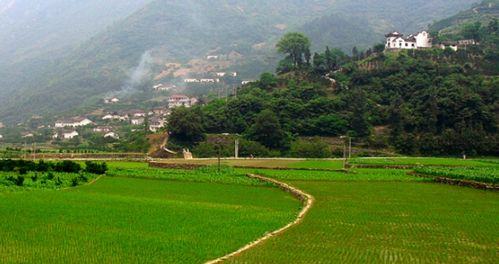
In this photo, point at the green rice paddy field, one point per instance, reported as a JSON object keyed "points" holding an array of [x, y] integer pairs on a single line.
{"points": [[394, 219], [138, 214], [127, 220]]}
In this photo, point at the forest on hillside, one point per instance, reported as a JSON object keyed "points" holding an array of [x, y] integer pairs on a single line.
{"points": [[417, 102]]}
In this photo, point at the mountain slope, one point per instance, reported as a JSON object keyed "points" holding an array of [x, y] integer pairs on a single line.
{"points": [[177, 31], [483, 13]]}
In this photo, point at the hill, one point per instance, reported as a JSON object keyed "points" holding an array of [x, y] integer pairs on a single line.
{"points": [[178, 31], [483, 13]]}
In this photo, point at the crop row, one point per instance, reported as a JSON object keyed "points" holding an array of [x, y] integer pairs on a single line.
{"points": [[479, 174], [43, 180], [226, 175]]}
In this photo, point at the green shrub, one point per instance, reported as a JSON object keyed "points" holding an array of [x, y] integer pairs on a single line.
{"points": [[95, 167], [313, 148]]}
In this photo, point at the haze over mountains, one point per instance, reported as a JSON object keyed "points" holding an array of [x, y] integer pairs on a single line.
{"points": [[56, 55]]}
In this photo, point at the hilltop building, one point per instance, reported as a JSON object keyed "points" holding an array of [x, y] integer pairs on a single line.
{"points": [[396, 41]]}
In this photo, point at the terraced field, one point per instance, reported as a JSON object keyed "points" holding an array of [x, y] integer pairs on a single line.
{"points": [[127, 220]]}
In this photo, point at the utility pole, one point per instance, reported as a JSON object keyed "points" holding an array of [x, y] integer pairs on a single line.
{"points": [[349, 148], [236, 149]]}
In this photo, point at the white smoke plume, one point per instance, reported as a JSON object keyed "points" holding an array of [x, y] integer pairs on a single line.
{"points": [[138, 75]]}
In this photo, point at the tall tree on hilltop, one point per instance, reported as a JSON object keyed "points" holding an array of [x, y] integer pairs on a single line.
{"points": [[296, 46]]}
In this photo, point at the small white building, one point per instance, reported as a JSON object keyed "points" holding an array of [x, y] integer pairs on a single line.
{"points": [[112, 100], [155, 124], [220, 74], [103, 129], [115, 116], [449, 45], [192, 81], [74, 122], [137, 121], [70, 134], [181, 100], [164, 88], [112, 135], [1, 137], [212, 57], [209, 80]]}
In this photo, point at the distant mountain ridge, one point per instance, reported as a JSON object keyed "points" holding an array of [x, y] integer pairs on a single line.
{"points": [[181, 30]]}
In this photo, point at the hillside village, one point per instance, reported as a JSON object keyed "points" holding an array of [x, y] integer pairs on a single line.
{"points": [[118, 118]]}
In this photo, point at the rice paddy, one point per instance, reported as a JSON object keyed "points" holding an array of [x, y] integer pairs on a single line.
{"points": [[137, 214], [127, 220]]}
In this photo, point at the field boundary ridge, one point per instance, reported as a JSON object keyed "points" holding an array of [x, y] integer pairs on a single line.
{"points": [[307, 199], [458, 182]]}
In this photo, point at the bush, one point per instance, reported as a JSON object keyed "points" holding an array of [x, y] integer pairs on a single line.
{"points": [[95, 167], [313, 148], [248, 148], [19, 181], [68, 167]]}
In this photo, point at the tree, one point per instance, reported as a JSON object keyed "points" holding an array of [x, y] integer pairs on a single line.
{"points": [[296, 46], [268, 131], [268, 81], [186, 125], [379, 48], [355, 53], [472, 31]]}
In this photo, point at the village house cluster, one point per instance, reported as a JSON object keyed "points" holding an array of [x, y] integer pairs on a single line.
{"points": [[66, 129], [422, 40]]}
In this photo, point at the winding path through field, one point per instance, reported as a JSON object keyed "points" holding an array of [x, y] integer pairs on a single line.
{"points": [[307, 199]]}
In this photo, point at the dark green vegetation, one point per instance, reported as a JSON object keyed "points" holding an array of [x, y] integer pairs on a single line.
{"points": [[421, 102], [479, 174], [49, 81], [20, 174], [482, 13]]}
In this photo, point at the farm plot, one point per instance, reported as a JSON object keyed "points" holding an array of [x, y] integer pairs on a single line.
{"points": [[385, 219], [479, 174], [409, 161], [130, 220]]}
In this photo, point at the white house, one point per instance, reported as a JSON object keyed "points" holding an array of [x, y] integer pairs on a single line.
{"points": [[191, 81], [181, 100], [212, 57], [137, 121], [103, 129], [70, 134], [396, 41], [209, 80], [1, 137], [449, 45], [155, 124], [115, 116], [220, 74], [164, 88], [74, 122], [112, 135], [112, 100]]}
